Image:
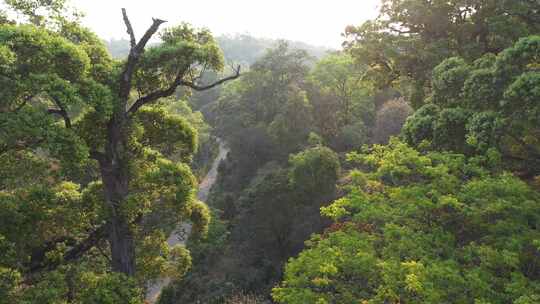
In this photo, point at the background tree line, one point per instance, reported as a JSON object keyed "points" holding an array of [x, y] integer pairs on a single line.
{"points": [[445, 213]]}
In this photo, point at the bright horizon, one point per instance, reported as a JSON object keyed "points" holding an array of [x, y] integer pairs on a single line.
{"points": [[318, 23]]}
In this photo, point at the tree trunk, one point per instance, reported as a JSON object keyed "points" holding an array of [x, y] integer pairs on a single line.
{"points": [[115, 177], [122, 247]]}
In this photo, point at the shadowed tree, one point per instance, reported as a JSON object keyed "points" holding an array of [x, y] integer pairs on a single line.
{"points": [[491, 103], [410, 37], [390, 119]]}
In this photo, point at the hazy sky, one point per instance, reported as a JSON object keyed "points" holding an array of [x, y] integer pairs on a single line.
{"points": [[318, 22]]}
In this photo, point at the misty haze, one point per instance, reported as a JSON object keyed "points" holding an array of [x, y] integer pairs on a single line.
{"points": [[257, 152]]}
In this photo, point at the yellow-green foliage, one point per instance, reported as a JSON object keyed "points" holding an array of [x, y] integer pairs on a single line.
{"points": [[167, 133], [156, 259], [110, 288], [200, 217], [422, 228]]}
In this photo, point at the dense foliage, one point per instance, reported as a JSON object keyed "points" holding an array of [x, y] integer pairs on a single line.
{"points": [[411, 37], [278, 172], [448, 224], [491, 103], [423, 228], [404, 168]]}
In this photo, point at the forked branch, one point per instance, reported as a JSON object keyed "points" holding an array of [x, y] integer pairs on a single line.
{"points": [[63, 114], [134, 54], [197, 87], [179, 81], [39, 262]]}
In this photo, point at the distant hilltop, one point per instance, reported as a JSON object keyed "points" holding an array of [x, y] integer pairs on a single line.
{"points": [[240, 48]]}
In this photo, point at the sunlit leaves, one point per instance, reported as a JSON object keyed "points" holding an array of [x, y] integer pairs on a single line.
{"points": [[9, 280], [446, 230], [110, 288], [172, 181], [316, 275], [168, 134]]}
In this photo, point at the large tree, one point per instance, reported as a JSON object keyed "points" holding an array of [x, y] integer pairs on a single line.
{"points": [[491, 103], [88, 154], [342, 107], [411, 37]]}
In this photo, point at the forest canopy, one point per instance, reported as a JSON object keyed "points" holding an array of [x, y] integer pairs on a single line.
{"points": [[175, 166]]}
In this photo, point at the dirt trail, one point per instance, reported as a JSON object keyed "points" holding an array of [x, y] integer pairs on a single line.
{"points": [[177, 237]]}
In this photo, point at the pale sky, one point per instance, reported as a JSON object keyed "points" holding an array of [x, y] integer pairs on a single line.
{"points": [[316, 22]]}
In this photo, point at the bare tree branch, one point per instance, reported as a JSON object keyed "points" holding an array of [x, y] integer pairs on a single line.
{"points": [[172, 89], [103, 253], [402, 32], [38, 263], [62, 112], [129, 29], [99, 156], [201, 72], [197, 87], [156, 95], [134, 56]]}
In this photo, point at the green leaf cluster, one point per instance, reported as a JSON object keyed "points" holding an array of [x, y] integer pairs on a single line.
{"points": [[422, 228], [491, 103]]}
